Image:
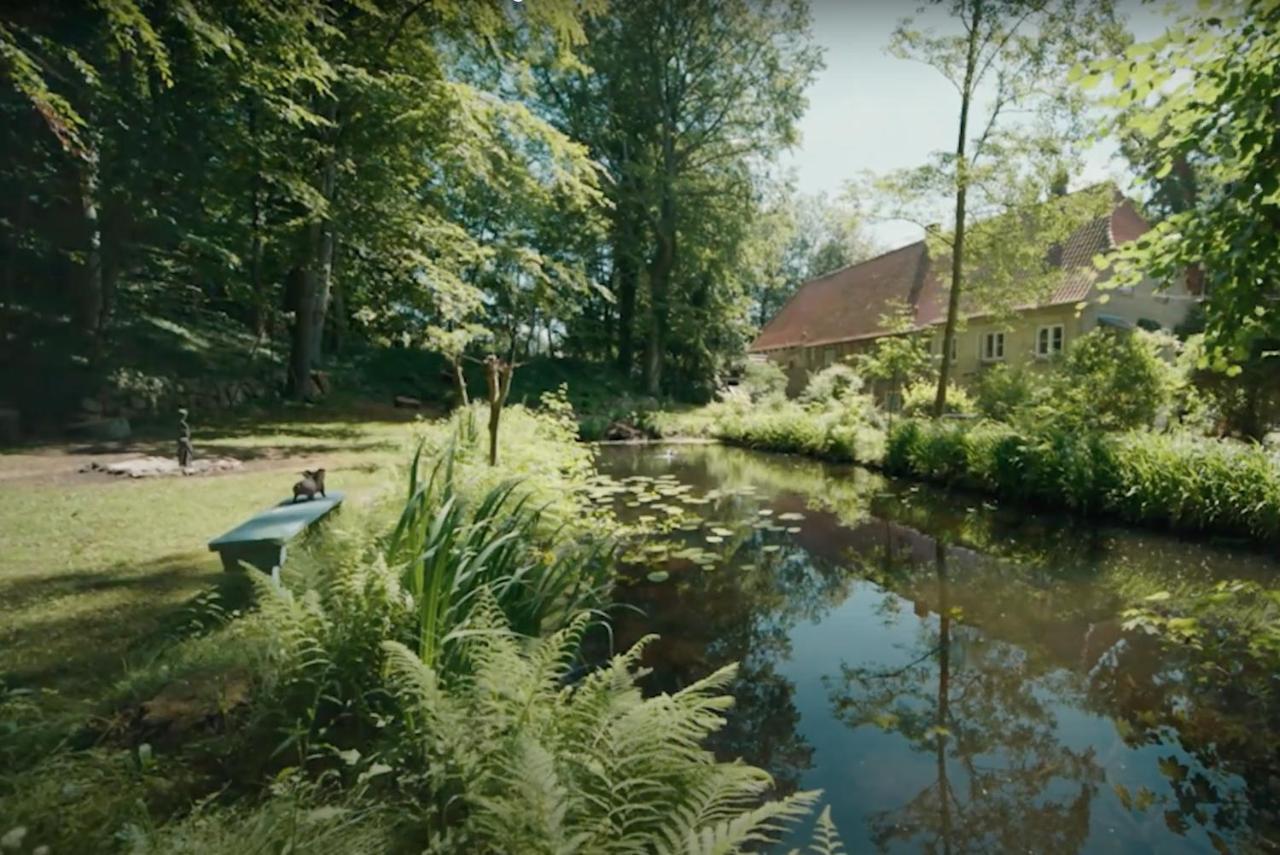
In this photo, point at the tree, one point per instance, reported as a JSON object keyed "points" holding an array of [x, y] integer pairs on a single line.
{"points": [[684, 101], [898, 358], [366, 166], [1204, 97], [1008, 58], [797, 237]]}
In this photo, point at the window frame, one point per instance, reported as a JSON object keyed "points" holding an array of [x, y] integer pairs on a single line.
{"points": [[985, 349], [1048, 330]]}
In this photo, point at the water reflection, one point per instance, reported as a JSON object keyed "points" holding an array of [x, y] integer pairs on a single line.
{"points": [[1003, 781], [954, 675]]}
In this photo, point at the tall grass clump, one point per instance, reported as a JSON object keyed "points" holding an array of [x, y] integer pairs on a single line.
{"points": [[1181, 483], [835, 420], [450, 555]]}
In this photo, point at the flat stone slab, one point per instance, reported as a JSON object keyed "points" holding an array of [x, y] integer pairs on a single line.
{"points": [[261, 540], [161, 467]]}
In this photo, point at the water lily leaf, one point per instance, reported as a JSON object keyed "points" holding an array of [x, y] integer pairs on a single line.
{"points": [[791, 515], [658, 576], [714, 538]]}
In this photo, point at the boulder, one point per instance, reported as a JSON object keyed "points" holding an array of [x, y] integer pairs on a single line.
{"points": [[623, 432], [91, 406]]}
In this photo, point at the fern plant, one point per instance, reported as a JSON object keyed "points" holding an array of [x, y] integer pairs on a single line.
{"points": [[519, 762]]}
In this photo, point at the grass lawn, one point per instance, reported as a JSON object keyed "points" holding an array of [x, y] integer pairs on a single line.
{"points": [[95, 570]]}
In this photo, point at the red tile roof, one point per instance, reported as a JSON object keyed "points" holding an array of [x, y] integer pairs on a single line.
{"points": [[848, 304]]}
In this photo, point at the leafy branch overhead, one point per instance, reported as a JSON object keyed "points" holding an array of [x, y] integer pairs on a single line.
{"points": [[1200, 103]]}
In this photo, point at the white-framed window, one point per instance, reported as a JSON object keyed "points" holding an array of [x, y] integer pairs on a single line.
{"points": [[993, 347], [1050, 340]]}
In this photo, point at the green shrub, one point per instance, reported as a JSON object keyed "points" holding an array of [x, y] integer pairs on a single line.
{"points": [[1113, 380], [1178, 482], [836, 382], [848, 430], [763, 380], [1004, 391], [449, 555], [918, 397]]}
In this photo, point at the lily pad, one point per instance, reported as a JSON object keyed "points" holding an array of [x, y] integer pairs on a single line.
{"points": [[791, 515], [658, 576]]}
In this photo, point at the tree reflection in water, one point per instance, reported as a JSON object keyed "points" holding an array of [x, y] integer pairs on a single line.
{"points": [[1002, 781]]}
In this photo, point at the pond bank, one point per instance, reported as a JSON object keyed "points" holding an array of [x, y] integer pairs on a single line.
{"points": [[1172, 483]]}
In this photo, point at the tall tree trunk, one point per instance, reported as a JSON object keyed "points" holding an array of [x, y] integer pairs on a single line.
{"points": [[625, 266], [497, 374], [91, 299], [324, 291], [656, 342], [300, 299], [311, 281], [257, 242], [328, 243], [339, 321], [660, 271], [962, 187]]}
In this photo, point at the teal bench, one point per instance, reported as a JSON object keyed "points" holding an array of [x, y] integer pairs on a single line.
{"points": [[262, 540]]}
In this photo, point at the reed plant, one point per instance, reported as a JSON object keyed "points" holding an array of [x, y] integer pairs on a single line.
{"points": [[448, 554]]}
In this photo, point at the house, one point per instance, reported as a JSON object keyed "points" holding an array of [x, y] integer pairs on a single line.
{"points": [[837, 315]]}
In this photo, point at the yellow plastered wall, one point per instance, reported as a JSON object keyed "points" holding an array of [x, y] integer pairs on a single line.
{"points": [[1020, 336]]}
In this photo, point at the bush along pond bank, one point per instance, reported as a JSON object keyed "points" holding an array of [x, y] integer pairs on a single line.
{"points": [[1180, 483], [415, 684]]}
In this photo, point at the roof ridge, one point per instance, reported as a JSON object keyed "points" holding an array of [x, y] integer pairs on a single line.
{"points": [[806, 283]]}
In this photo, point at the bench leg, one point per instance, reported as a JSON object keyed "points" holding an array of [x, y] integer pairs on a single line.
{"points": [[266, 557]]}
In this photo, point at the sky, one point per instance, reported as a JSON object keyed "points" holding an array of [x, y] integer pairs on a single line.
{"points": [[871, 112]]}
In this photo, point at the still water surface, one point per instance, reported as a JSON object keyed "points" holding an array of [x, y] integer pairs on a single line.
{"points": [[953, 674]]}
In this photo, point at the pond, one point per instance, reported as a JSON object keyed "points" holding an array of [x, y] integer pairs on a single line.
{"points": [[953, 674]]}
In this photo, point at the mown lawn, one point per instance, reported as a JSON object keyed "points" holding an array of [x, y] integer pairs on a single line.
{"points": [[95, 571]]}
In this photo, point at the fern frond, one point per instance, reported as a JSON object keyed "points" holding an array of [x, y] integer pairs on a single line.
{"points": [[753, 828], [826, 837]]}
